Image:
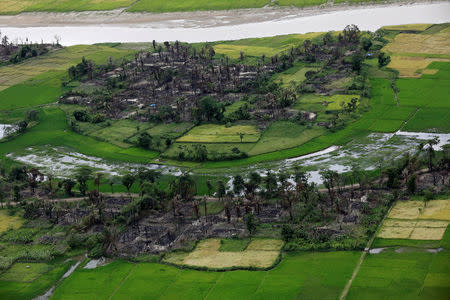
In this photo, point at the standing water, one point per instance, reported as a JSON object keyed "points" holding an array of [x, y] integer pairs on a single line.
{"points": [[5, 130]]}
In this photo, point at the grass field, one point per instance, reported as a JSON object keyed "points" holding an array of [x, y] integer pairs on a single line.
{"points": [[7, 221], [408, 27], [156, 6], [212, 133], [54, 130], [233, 107], [14, 6], [38, 81], [317, 103], [284, 134], [192, 5], [215, 150], [303, 275], [171, 130], [299, 3], [269, 46], [119, 131], [294, 74], [25, 272], [232, 245]]}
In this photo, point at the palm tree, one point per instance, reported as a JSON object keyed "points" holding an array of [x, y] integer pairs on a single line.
{"points": [[195, 205], [205, 206], [111, 184], [84, 174], [210, 187], [98, 180], [111, 235], [184, 186], [221, 189], [329, 179], [227, 206], [127, 181]]}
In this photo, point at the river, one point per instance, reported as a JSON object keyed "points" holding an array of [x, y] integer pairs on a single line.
{"points": [[188, 30]]}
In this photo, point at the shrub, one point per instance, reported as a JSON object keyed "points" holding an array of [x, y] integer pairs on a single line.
{"points": [[6, 262], [39, 254], [411, 184], [428, 195], [383, 60], [21, 236], [287, 233], [98, 118], [250, 222], [81, 116]]}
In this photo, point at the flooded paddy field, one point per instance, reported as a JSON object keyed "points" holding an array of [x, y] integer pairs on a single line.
{"points": [[368, 153], [62, 162]]}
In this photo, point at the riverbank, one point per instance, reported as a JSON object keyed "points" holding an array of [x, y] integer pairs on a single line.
{"points": [[210, 28], [191, 19]]}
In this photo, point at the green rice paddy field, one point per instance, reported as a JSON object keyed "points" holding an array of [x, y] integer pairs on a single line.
{"points": [[302, 276], [407, 271], [20, 282]]}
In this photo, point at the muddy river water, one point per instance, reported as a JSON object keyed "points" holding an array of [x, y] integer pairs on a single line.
{"points": [[216, 27]]}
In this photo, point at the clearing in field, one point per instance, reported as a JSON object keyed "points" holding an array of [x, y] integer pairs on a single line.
{"points": [[417, 221], [211, 133], [7, 221], [259, 253]]}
